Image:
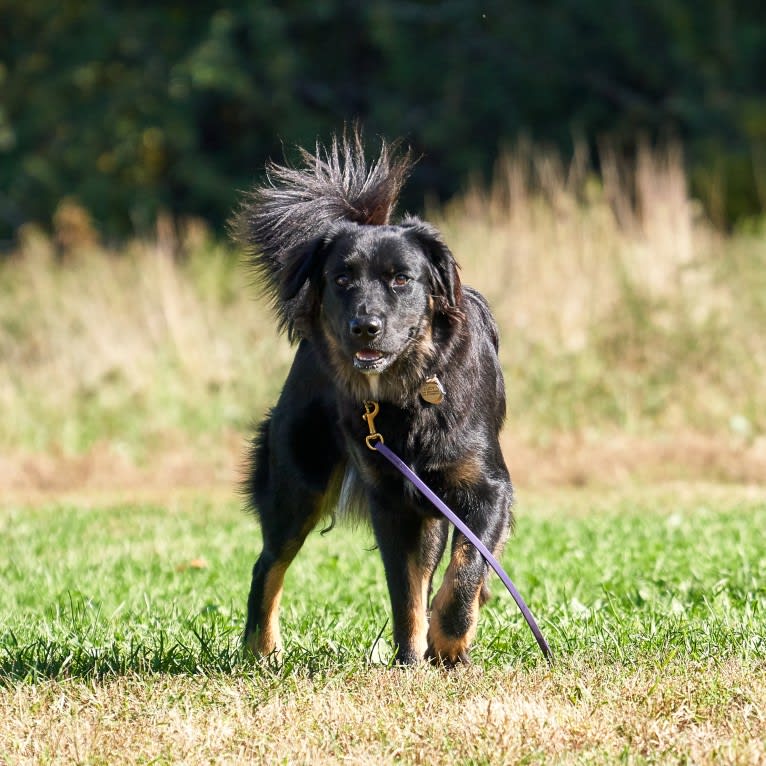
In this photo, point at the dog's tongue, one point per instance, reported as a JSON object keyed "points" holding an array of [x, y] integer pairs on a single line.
{"points": [[368, 355]]}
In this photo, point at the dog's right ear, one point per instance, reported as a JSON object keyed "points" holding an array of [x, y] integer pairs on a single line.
{"points": [[298, 267], [296, 295]]}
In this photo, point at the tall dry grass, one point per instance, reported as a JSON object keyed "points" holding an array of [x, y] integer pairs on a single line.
{"points": [[129, 346], [621, 309], [621, 305]]}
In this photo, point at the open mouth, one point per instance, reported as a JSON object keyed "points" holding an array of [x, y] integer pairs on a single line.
{"points": [[369, 360]]}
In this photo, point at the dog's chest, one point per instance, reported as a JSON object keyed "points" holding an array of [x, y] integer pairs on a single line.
{"points": [[419, 434]]}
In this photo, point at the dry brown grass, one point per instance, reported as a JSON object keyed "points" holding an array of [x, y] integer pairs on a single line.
{"points": [[621, 307], [553, 244], [680, 713], [566, 460], [631, 336], [163, 330]]}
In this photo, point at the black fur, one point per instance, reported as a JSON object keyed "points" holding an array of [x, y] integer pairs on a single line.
{"points": [[376, 308]]}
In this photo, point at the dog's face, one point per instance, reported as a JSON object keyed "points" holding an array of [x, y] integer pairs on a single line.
{"points": [[375, 296], [370, 294]]}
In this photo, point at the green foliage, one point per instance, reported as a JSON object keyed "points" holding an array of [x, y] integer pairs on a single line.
{"points": [[169, 106]]}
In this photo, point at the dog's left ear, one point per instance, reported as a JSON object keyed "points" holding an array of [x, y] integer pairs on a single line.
{"points": [[445, 280]]}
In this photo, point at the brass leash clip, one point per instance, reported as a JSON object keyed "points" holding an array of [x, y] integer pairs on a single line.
{"points": [[371, 409]]}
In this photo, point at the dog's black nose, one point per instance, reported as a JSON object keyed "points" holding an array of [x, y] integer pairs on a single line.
{"points": [[368, 326]]}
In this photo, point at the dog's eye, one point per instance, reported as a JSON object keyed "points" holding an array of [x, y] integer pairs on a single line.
{"points": [[342, 280], [400, 280]]}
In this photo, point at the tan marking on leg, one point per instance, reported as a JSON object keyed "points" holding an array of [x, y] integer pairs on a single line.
{"points": [[466, 471], [452, 649], [419, 578], [268, 639]]}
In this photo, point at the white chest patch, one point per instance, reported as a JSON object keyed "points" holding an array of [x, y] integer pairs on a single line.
{"points": [[374, 381]]}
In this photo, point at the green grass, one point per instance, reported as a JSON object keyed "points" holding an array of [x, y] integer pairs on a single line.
{"points": [[97, 591], [632, 346], [120, 626]]}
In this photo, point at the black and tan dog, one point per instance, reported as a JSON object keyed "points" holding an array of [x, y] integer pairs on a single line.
{"points": [[379, 314]]}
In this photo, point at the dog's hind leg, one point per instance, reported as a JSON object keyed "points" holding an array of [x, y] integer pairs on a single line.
{"points": [[411, 547]]}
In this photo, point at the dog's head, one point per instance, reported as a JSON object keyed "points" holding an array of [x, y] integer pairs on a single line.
{"points": [[377, 299], [373, 297]]}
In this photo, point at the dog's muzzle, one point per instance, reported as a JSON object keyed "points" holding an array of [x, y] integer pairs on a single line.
{"points": [[368, 326], [367, 330]]}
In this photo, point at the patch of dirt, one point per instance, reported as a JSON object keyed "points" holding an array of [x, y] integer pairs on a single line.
{"points": [[176, 464], [565, 461], [577, 460]]}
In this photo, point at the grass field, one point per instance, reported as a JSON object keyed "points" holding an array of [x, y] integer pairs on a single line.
{"points": [[622, 312], [121, 622], [632, 347]]}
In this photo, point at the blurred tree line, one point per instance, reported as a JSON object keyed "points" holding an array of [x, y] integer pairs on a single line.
{"points": [[133, 108]]}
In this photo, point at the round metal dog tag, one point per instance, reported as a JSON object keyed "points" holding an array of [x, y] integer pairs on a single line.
{"points": [[432, 390]]}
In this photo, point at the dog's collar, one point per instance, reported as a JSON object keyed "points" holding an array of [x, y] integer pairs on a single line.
{"points": [[432, 390]]}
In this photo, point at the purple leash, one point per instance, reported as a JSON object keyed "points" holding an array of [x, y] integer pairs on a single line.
{"points": [[375, 442]]}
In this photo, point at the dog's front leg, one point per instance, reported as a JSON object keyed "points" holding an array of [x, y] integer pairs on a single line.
{"points": [[262, 635], [455, 608], [411, 547], [280, 546]]}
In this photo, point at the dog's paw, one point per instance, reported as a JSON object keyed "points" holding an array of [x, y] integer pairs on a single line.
{"points": [[261, 645], [448, 661], [444, 650], [444, 647], [408, 659]]}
